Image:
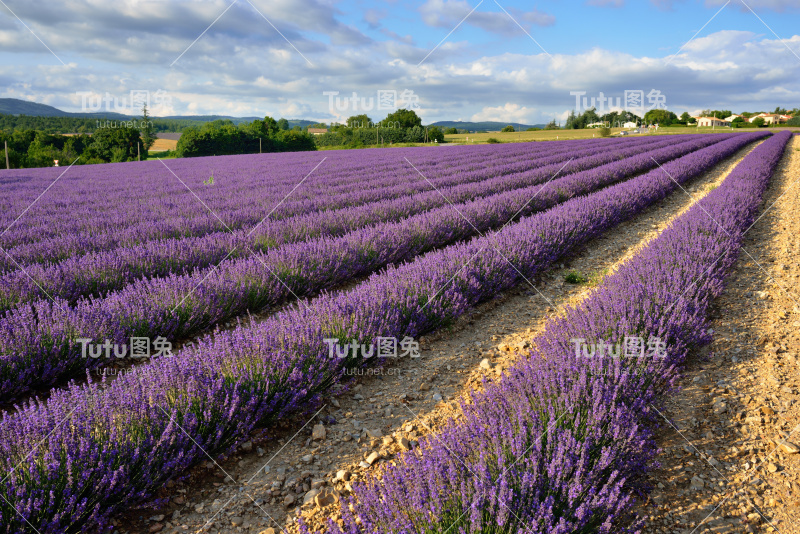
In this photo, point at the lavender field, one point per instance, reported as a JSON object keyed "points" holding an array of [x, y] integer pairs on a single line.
{"points": [[238, 274]]}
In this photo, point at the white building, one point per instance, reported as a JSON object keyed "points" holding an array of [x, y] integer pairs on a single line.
{"points": [[629, 125], [769, 118], [708, 122]]}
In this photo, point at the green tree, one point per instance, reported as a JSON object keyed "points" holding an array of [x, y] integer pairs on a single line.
{"points": [[590, 116], [451, 131], [404, 118], [147, 131], [685, 117], [573, 121], [42, 152], [270, 125], [415, 134], [293, 141], [359, 121], [222, 137], [265, 129], [187, 144], [719, 114], [115, 144], [628, 116], [31, 148], [660, 116], [508, 128], [74, 147], [283, 124], [552, 125], [435, 134], [610, 118], [582, 120], [759, 122]]}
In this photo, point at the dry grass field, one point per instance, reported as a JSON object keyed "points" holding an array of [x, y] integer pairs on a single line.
{"points": [[561, 135], [511, 137], [164, 144]]}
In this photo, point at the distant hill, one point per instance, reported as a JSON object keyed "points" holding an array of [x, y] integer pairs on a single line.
{"points": [[15, 106], [209, 118], [487, 126], [236, 120], [302, 123]]}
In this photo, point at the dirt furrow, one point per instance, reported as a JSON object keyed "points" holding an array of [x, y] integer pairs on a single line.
{"points": [[731, 460]]}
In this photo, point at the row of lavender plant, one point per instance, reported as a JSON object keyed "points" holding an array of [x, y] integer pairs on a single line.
{"points": [[100, 272], [28, 183], [244, 212], [137, 199], [201, 222], [75, 458], [558, 445], [131, 189], [38, 340], [172, 211]]}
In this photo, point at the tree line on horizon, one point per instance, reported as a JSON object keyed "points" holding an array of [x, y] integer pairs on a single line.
{"points": [[268, 135], [223, 137], [30, 147], [120, 141], [401, 126], [80, 125], [665, 117]]}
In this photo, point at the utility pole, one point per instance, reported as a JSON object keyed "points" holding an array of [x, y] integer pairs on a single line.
{"points": [[7, 166], [259, 145], [138, 152]]}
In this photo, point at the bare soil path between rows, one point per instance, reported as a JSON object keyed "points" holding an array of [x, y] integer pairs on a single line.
{"points": [[731, 460], [386, 410]]}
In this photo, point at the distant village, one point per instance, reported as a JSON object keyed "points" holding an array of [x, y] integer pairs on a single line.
{"points": [[768, 118]]}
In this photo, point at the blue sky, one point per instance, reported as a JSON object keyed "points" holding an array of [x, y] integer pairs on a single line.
{"points": [[504, 60]]}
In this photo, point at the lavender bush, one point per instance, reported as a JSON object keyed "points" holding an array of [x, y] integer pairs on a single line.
{"points": [[559, 443], [38, 340], [75, 458], [99, 272], [78, 216]]}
